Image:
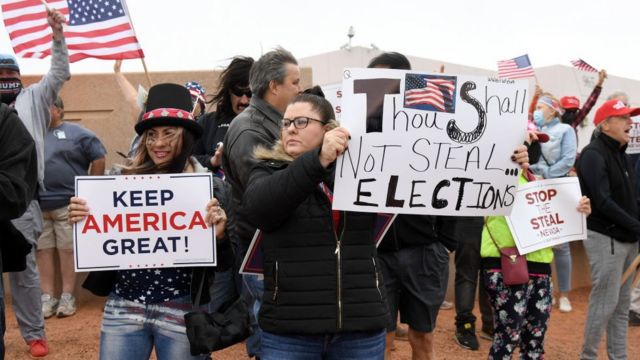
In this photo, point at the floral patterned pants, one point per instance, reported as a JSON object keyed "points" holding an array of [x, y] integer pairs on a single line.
{"points": [[520, 317]]}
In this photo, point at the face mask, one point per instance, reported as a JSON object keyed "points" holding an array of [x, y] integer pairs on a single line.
{"points": [[9, 89], [538, 118]]}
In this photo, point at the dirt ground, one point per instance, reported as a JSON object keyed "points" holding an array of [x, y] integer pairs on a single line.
{"points": [[77, 337]]}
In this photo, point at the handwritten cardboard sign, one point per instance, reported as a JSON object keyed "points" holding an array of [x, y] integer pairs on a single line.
{"points": [[429, 143], [545, 214], [144, 221]]}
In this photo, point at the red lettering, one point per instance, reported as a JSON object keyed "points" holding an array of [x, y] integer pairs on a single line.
{"points": [[164, 221], [91, 224], [197, 220], [172, 220], [133, 220], [534, 223], [115, 222], [529, 198], [150, 220]]}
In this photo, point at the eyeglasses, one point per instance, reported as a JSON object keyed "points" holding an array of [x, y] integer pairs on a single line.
{"points": [[152, 138], [239, 92], [300, 122]]}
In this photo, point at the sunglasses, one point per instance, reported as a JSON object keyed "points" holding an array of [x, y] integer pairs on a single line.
{"points": [[240, 92], [299, 122]]}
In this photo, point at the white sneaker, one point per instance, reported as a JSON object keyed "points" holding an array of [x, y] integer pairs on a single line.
{"points": [[565, 305], [49, 305], [67, 306]]}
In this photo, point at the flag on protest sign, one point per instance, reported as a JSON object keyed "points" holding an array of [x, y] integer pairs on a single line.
{"points": [[428, 92], [516, 68], [582, 65], [95, 28]]}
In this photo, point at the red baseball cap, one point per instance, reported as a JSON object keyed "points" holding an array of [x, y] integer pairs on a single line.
{"points": [[613, 108], [570, 102]]}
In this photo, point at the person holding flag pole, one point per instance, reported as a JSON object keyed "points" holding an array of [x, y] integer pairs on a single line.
{"points": [[32, 104]]}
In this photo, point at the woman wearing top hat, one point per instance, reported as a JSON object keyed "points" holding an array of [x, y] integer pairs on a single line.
{"points": [[145, 308]]}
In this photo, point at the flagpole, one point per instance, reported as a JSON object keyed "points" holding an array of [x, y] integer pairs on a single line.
{"points": [[146, 72], [133, 29]]}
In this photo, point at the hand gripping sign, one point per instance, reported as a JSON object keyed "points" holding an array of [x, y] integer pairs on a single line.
{"points": [[429, 143], [144, 221], [545, 214]]}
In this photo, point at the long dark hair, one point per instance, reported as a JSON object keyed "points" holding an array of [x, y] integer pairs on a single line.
{"points": [[141, 162], [235, 75]]}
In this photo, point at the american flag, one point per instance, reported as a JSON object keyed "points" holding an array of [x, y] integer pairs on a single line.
{"points": [[430, 92], [582, 65], [515, 68], [95, 28]]}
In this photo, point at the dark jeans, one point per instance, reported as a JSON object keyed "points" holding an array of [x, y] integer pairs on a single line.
{"points": [[467, 257], [338, 346]]}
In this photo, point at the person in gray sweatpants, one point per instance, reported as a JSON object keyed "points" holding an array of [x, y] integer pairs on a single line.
{"points": [[614, 228], [32, 104]]}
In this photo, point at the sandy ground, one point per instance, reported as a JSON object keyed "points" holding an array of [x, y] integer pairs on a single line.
{"points": [[77, 337]]}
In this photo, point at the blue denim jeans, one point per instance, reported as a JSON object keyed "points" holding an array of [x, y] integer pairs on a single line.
{"points": [[131, 330], [252, 293], [340, 346], [562, 257], [222, 290]]}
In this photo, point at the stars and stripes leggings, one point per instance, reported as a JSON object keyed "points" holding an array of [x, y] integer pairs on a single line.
{"points": [[521, 313]]}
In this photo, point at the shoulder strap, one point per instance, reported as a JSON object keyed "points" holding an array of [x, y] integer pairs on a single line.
{"points": [[492, 239]]}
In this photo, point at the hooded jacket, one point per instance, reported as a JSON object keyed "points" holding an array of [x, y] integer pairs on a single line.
{"points": [[317, 280]]}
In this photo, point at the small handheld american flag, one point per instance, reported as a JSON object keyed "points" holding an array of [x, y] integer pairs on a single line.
{"points": [[582, 65], [516, 68]]}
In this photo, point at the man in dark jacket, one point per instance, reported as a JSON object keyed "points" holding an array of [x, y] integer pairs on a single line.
{"points": [[232, 98], [18, 181], [274, 81], [606, 177]]}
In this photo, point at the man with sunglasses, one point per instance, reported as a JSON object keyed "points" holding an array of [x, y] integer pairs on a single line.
{"points": [[231, 99], [274, 81]]}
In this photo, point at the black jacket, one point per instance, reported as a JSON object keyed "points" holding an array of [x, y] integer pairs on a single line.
{"points": [[415, 230], [215, 128], [316, 281], [18, 183], [259, 124], [607, 178]]}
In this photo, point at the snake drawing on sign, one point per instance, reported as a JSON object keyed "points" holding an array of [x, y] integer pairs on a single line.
{"points": [[454, 132]]}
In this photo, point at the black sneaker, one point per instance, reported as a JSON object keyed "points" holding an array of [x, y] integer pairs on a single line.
{"points": [[634, 318], [466, 337]]}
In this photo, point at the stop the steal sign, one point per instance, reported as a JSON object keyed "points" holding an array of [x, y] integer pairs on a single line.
{"points": [[545, 214]]}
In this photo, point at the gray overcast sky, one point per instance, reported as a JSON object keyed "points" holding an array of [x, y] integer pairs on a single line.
{"points": [[200, 34]]}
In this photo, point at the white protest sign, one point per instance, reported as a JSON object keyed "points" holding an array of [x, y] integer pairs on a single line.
{"points": [[545, 214], [429, 143], [633, 147], [333, 94], [144, 221]]}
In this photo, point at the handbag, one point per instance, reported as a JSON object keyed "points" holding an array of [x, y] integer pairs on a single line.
{"points": [[514, 265], [211, 332]]}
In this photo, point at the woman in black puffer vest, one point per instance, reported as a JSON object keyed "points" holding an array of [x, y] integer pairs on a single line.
{"points": [[323, 288]]}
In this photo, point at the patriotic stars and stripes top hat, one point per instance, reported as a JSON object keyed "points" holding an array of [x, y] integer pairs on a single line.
{"points": [[169, 105]]}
